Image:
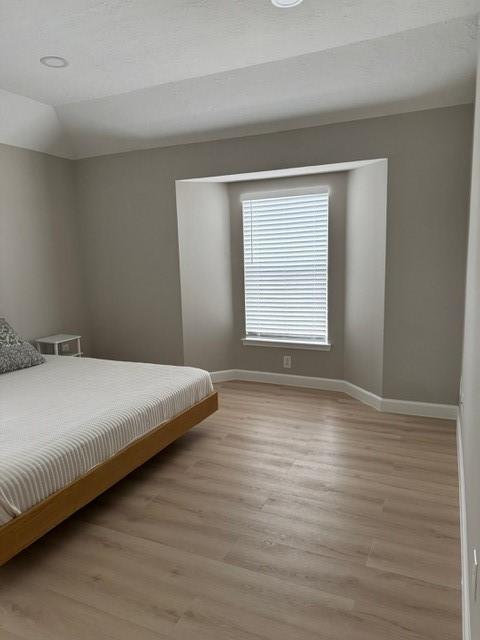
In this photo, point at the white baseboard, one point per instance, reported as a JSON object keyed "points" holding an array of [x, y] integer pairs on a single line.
{"points": [[425, 409], [286, 379], [225, 375], [412, 408], [466, 631], [367, 397]]}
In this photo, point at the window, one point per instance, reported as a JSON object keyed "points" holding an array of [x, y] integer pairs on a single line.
{"points": [[285, 243]]}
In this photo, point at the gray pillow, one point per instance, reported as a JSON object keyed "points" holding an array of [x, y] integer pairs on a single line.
{"points": [[16, 353]]}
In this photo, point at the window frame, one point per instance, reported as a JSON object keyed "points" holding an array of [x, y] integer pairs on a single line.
{"points": [[278, 341]]}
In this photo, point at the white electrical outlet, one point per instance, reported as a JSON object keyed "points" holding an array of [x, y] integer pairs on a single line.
{"points": [[287, 362]]}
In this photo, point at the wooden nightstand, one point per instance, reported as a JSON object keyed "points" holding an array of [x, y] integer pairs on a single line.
{"points": [[60, 345]]}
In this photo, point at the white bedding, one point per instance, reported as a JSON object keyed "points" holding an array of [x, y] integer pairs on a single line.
{"points": [[60, 419]]}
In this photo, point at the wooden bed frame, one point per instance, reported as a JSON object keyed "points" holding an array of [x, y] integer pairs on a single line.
{"points": [[21, 531]]}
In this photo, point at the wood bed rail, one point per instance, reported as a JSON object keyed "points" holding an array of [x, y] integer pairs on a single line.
{"points": [[20, 532]]}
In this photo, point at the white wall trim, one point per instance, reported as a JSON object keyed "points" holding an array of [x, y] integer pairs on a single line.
{"points": [[367, 397], [412, 408], [425, 409], [466, 630], [286, 379], [224, 376]]}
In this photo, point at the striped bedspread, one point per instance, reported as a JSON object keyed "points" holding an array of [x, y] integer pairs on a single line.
{"points": [[60, 419]]}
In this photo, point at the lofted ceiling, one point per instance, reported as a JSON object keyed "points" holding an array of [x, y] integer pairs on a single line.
{"points": [[144, 73]]}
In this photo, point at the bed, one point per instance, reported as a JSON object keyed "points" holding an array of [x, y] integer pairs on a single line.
{"points": [[72, 427]]}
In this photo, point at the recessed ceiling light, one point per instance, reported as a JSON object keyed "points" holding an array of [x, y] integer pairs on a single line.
{"points": [[286, 4], [54, 61]]}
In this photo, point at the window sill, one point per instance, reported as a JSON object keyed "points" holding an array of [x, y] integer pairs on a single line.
{"points": [[286, 344]]}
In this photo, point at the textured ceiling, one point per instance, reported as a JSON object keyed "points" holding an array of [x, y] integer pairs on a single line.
{"points": [[115, 46], [419, 69], [153, 72]]}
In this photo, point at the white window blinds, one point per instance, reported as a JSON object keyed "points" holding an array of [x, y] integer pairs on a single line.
{"points": [[286, 267]]}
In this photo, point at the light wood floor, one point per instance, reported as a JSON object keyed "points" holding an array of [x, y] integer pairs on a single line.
{"points": [[289, 515]]}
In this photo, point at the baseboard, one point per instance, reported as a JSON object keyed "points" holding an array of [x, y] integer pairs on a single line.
{"points": [[367, 397], [412, 408], [288, 380], [466, 631], [424, 409], [225, 375]]}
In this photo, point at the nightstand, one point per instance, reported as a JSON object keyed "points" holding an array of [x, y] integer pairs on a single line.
{"points": [[61, 345]]}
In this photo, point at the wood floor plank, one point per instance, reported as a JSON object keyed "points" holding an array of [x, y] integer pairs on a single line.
{"points": [[99, 583], [415, 605], [310, 476], [167, 523], [178, 575], [437, 568], [289, 514], [326, 472], [36, 613], [304, 510], [7, 635], [206, 621], [236, 519], [423, 515]]}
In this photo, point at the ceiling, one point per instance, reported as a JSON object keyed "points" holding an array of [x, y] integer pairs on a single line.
{"points": [[116, 46], [148, 72]]}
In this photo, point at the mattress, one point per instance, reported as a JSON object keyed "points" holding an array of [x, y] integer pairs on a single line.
{"points": [[60, 419]]}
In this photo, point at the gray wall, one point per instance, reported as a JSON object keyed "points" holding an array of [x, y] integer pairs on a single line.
{"points": [[428, 195], [128, 218], [470, 408], [365, 276], [205, 274], [40, 278], [327, 364], [128, 225]]}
